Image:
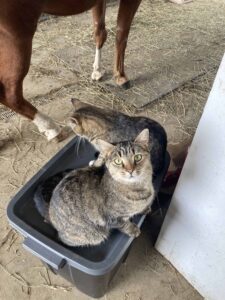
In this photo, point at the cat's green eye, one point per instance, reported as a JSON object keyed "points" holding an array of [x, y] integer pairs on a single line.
{"points": [[118, 161], [137, 157]]}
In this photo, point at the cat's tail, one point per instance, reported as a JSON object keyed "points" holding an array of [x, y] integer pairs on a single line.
{"points": [[41, 205]]}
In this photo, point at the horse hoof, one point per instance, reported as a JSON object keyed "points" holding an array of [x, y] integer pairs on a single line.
{"points": [[122, 82], [97, 75], [125, 85]]}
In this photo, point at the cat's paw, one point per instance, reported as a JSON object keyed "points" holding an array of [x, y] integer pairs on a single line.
{"points": [[99, 162], [132, 230], [91, 163], [135, 232]]}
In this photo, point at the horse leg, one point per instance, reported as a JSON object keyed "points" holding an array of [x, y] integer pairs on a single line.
{"points": [[14, 61], [127, 10], [100, 33]]}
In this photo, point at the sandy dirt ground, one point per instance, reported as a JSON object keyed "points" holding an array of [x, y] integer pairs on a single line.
{"points": [[52, 81]]}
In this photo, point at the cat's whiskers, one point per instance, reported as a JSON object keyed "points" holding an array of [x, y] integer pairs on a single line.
{"points": [[76, 146], [79, 142]]}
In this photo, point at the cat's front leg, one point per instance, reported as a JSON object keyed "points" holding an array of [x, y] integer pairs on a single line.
{"points": [[99, 162], [130, 229]]}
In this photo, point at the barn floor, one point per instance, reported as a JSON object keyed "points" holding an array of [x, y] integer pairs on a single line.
{"points": [[57, 74]]}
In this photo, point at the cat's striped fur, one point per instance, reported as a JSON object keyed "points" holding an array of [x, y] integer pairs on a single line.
{"points": [[88, 203]]}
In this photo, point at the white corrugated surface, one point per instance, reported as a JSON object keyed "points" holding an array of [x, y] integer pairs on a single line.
{"points": [[193, 234]]}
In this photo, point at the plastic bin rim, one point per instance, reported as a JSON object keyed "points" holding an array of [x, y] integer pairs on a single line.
{"points": [[73, 259], [87, 266]]}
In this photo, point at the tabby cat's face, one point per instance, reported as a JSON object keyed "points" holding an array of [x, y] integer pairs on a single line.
{"points": [[129, 162]]}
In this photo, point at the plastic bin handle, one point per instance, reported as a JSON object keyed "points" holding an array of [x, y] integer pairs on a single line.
{"points": [[45, 254]]}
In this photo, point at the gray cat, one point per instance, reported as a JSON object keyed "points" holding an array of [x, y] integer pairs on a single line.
{"points": [[112, 126], [88, 203]]}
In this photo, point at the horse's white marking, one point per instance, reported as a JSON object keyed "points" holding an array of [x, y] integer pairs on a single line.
{"points": [[97, 71], [46, 125]]}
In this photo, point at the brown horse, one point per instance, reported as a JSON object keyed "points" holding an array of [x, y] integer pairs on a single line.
{"points": [[18, 23]]}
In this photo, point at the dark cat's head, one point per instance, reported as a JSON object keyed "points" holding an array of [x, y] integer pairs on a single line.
{"points": [[87, 120], [127, 162]]}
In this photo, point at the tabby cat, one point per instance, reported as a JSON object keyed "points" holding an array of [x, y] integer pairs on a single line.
{"points": [[111, 126], [88, 203]]}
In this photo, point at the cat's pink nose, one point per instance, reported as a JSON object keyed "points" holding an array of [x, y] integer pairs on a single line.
{"points": [[129, 171], [129, 168]]}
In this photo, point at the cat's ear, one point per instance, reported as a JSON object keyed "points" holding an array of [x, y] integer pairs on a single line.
{"points": [[73, 120], [78, 104], [143, 138], [103, 147]]}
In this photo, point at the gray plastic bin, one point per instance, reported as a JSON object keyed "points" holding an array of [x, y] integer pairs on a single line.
{"points": [[90, 269]]}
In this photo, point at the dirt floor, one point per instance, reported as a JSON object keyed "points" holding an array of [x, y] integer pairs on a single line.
{"points": [[61, 65]]}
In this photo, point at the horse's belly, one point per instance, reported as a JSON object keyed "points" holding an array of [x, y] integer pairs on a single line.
{"points": [[67, 7]]}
